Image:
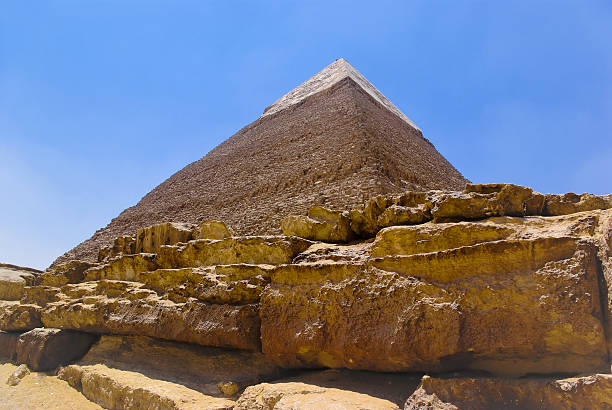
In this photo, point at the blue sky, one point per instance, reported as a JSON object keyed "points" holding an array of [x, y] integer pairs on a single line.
{"points": [[100, 101]]}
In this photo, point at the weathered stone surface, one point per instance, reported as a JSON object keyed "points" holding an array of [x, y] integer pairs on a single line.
{"points": [[510, 307], [150, 239], [40, 295], [232, 284], [18, 317], [387, 210], [69, 272], [124, 267], [212, 230], [603, 235], [13, 279], [45, 349], [130, 309], [319, 225], [393, 387], [121, 245], [120, 389], [409, 240], [587, 392], [571, 203], [259, 250], [8, 345], [287, 396], [209, 370]]}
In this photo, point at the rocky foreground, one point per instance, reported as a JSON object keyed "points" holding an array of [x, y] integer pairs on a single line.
{"points": [[495, 297]]}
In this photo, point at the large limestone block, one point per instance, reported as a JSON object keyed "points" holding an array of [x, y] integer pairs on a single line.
{"points": [[388, 210], [586, 392], [120, 389], [319, 225], [409, 240], [232, 284], [571, 203], [258, 250], [508, 307], [212, 230], [205, 369], [150, 239], [128, 308], [45, 349], [19, 317], [121, 245], [13, 279], [124, 267], [288, 396], [69, 272]]}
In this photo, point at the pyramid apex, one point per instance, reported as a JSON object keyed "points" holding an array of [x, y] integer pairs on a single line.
{"points": [[326, 78]]}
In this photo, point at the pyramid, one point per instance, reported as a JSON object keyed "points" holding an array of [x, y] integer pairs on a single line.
{"points": [[334, 141]]}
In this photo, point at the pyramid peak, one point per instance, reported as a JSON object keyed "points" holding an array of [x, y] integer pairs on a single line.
{"points": [[326, 78]]}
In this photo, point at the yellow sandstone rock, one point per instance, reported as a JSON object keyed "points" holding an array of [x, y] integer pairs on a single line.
{"points": [[212, 230], [13, 279], [130, 309], [120, 389], [288, 396], [150, 239], [320, 225], [586, 392], [199, 368]]}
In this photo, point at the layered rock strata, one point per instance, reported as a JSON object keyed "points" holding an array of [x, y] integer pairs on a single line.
{"points": [[483, 280]]}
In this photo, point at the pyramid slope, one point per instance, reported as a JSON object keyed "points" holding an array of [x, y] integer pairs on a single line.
{"points": [[335, 148]]}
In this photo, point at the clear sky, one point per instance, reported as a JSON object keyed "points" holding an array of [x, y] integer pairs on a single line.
{"points": [[100, 101]]}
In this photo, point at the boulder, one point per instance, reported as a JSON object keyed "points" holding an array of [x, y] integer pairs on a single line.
{"points": [[258, 250], [212, 230], [320, 225], [585, 392], [13, 279], [150, 239], [120, 389], [19, 373], [8, 345], [45, 349], [288, 396], [516, 306], [208, 370], [19, 317], [69, 272], [128, 308]]}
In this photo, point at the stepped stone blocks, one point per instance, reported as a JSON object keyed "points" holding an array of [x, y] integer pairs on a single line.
{"points": [[337, 143]]}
